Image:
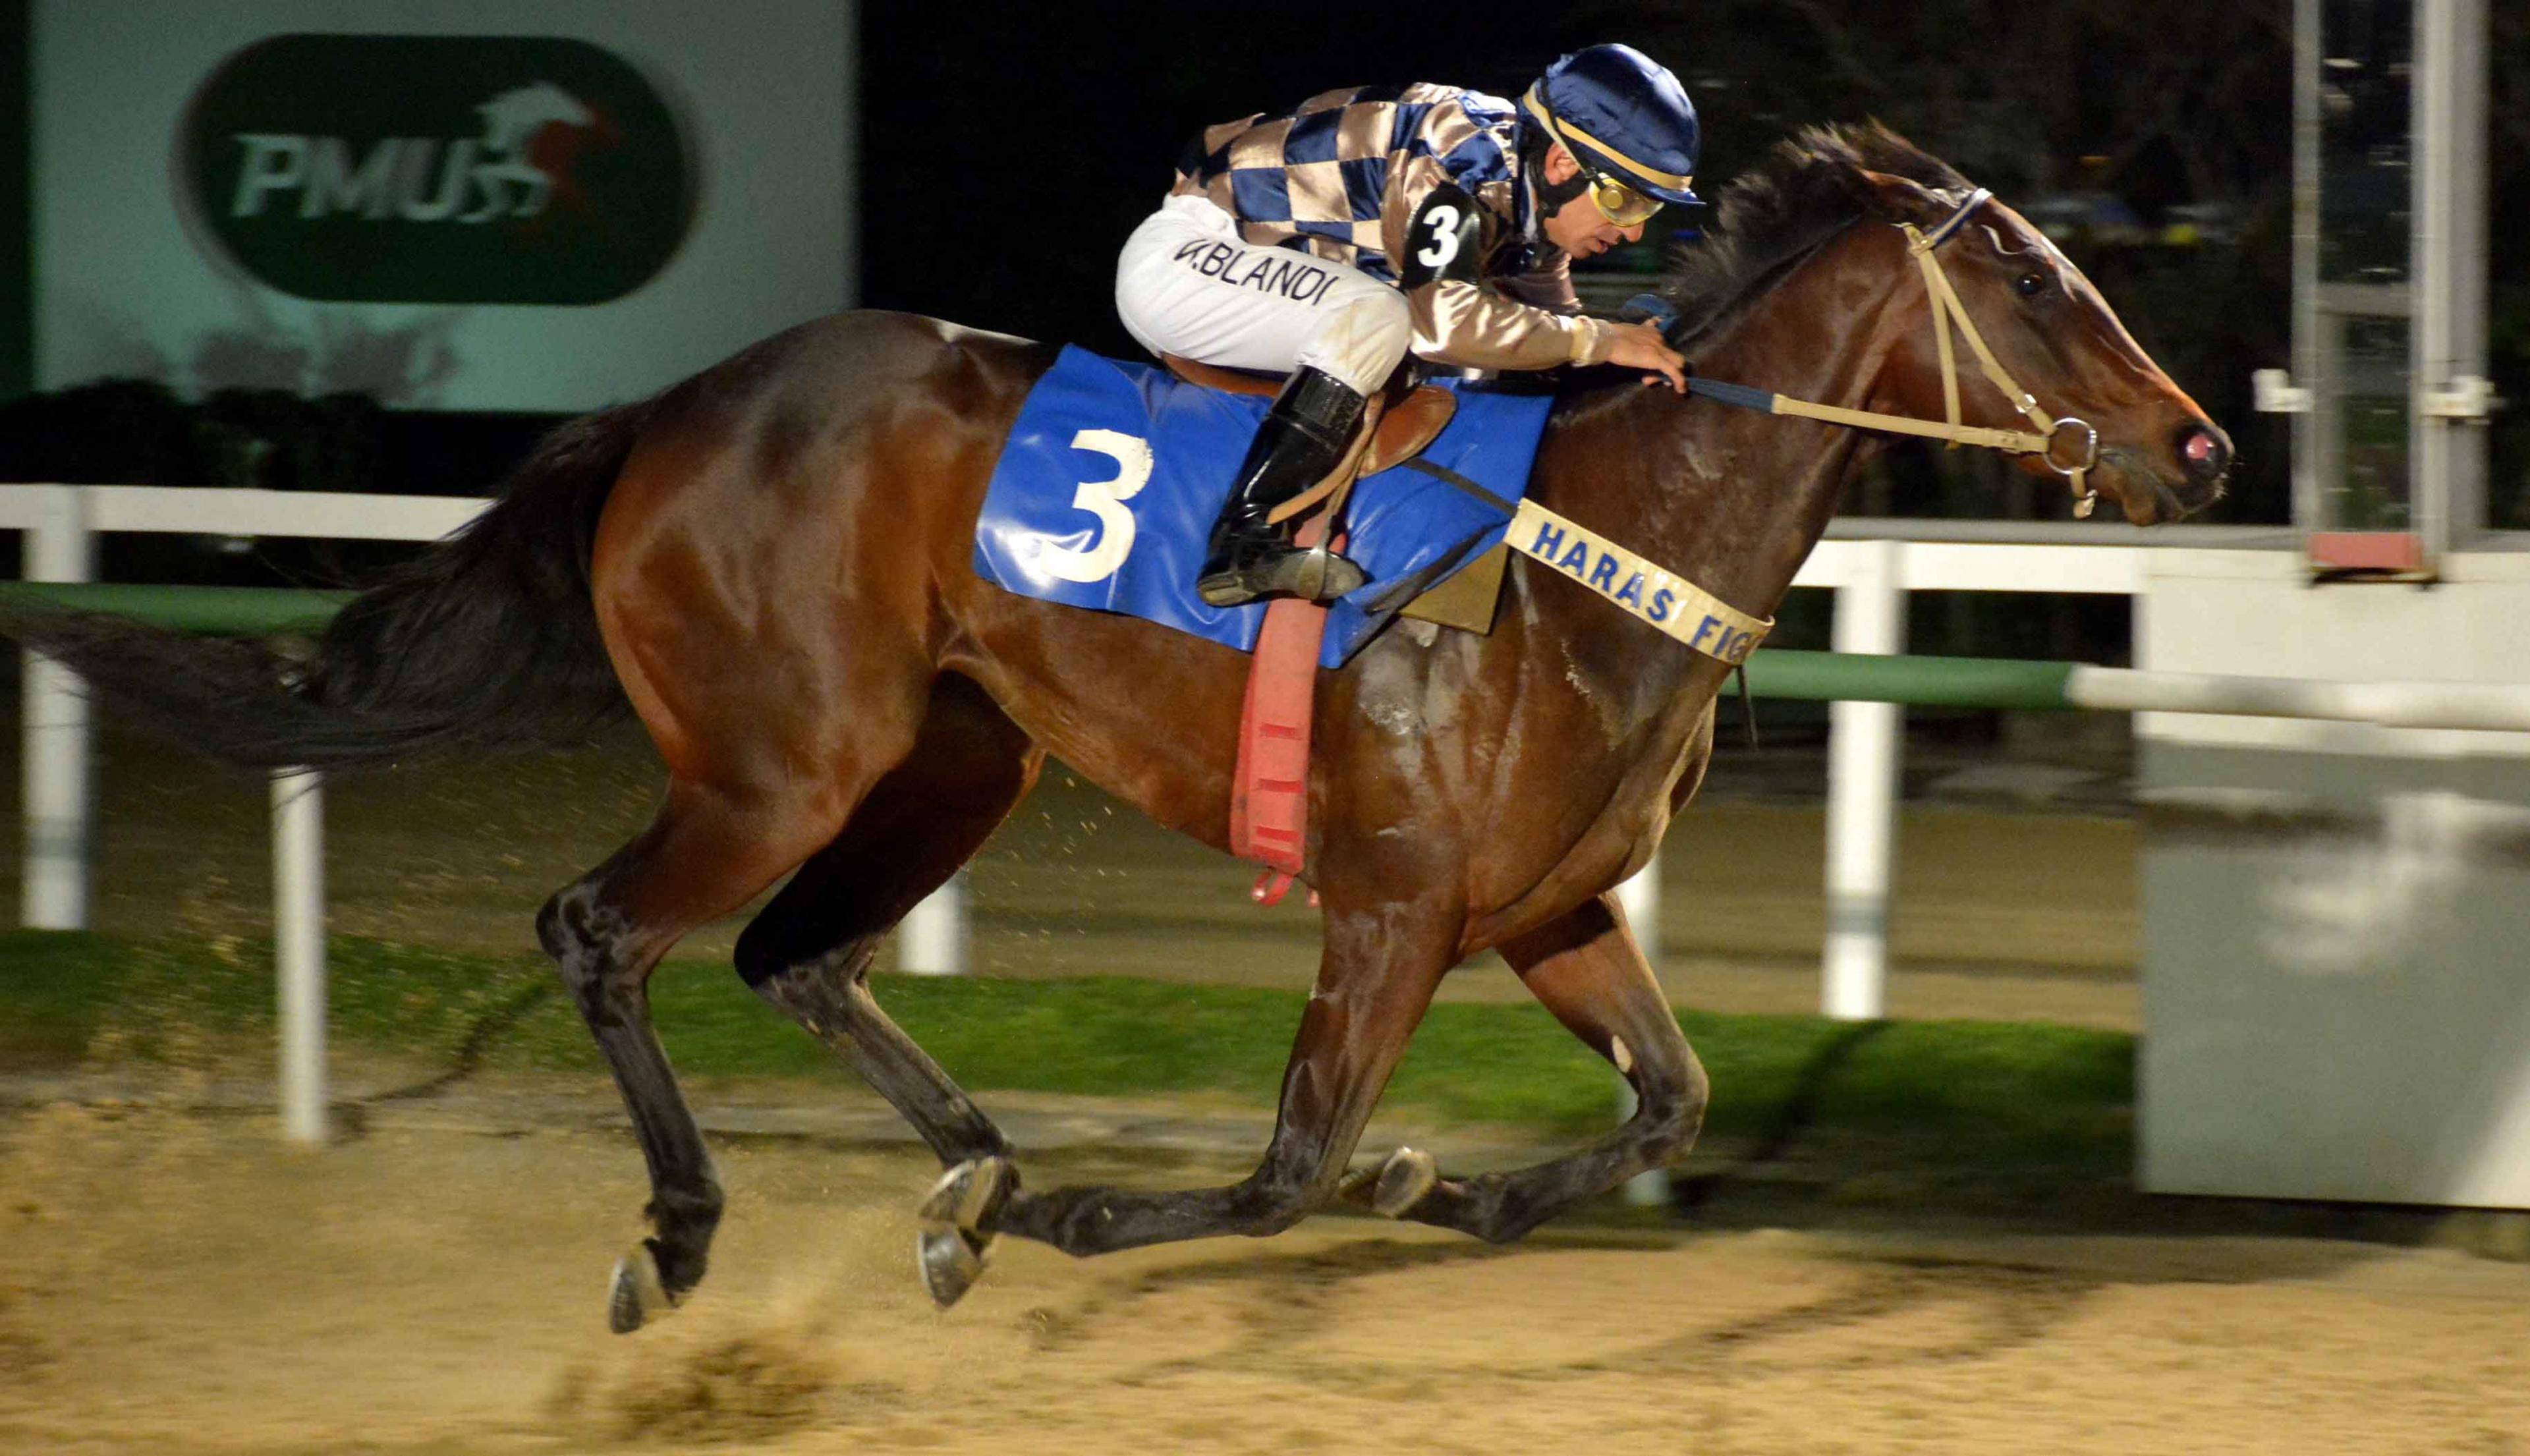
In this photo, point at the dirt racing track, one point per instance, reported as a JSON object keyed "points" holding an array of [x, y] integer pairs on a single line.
{"points": [[182, 1283]]}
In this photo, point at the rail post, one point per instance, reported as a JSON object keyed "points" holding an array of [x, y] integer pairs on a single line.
{"points": [[59, 781], [1640, 898], [934, 936], [1862, 795], [298, 947]]}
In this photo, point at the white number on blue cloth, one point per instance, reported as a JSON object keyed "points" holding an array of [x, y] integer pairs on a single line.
{"points": [[1105, 499]]}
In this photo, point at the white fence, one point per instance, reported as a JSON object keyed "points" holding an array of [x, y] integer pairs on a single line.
{"points": [[1870, 566]]}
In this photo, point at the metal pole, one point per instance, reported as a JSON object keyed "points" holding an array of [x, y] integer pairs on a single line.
{"points": [[2316, 346], [1639, 895], [1863, 797], [934, 938], [58, 777], [298, 947], [2449, 242]]}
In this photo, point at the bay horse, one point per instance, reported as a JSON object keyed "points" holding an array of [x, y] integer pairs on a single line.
{"points": [[769, 562]]}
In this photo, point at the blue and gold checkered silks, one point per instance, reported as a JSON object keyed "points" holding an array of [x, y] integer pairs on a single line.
{"points": [[1340, 174]]}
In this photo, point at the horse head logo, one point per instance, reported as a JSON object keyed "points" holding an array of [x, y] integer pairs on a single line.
{"points": [[511, 122]]}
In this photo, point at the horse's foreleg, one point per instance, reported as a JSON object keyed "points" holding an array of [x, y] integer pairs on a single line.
{"points": [[809, 952], [1587, 970], [703, 856], [1376, 978]]}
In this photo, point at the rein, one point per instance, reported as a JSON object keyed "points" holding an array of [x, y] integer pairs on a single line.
{"points": [[1948, 312]]}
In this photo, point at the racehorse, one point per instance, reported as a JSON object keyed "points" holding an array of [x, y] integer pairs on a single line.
{"points": [[769, 562]]}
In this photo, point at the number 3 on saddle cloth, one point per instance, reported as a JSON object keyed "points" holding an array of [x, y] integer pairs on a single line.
{"points": [[1108, 483], [1113, 473]]}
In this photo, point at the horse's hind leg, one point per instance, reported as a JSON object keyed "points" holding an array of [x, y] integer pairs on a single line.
{"points": [[770, 635], [705, 854], [809, 951], [1587, 970]]}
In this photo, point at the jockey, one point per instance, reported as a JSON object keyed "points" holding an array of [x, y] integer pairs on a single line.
{"points": [[1328, 241]]}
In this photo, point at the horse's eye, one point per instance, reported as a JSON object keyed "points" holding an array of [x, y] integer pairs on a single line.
{"points": [[2031, 284]]}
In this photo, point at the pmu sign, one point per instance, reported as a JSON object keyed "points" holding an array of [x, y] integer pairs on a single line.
{"points": [[437, 168]]}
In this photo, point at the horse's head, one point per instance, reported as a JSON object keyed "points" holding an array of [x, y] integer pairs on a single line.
{"points": [[2091, 388], [1884, 209]]}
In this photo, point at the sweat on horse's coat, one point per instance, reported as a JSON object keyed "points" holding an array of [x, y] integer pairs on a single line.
{"points": [[775, 557]]}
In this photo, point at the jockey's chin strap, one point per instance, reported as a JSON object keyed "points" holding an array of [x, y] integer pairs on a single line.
{"points": [[1947, 313]]}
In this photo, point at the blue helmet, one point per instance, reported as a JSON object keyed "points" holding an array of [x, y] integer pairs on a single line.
{"points": [[1624, 116]]}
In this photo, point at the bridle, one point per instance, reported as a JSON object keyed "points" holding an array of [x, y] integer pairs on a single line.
{"points": [[1714, 627], [1948, 312]]}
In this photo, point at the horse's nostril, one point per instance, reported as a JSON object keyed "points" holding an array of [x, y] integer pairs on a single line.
{"points": [[2206, 451]]}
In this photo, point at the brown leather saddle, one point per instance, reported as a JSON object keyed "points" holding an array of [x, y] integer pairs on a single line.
{"points": [[1397, 424], [1407, 419]]}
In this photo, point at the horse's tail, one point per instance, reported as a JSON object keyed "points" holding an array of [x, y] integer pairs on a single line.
{"points": [[487, 640]]}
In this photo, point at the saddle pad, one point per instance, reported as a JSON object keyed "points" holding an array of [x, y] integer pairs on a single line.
{"points": [[1113, 473]]}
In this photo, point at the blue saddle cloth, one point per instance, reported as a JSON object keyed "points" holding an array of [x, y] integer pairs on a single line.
{"points": [[1111, 478]]}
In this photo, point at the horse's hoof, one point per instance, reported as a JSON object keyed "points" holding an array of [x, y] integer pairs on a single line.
{"points": [[635, 1295], [957, 1216], [950, 1259], [1399, 1184], [969, 1194]]}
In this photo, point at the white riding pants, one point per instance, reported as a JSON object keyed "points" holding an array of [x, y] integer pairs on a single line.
{"points": [[1188, 284]]}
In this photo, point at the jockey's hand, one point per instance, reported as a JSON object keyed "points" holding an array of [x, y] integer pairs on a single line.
{"points": [[1640, 347]]}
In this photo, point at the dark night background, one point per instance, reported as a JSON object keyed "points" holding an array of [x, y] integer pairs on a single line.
{"points": [[1006, 150]]}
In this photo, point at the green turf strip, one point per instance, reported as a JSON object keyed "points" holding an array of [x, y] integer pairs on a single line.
{"points": [[2045, 1091]]}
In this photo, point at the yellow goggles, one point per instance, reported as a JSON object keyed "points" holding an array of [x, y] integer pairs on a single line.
{"points": [[1620, 203], [1616, 202]]}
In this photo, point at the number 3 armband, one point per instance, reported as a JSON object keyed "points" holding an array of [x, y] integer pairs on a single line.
{"points": [[1444, 240]]}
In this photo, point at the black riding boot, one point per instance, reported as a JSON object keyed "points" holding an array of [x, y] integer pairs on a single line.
{"points": [[1303, 436]]}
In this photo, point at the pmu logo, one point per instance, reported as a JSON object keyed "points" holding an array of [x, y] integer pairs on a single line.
{"points": [[417, 179], [423, 169]]}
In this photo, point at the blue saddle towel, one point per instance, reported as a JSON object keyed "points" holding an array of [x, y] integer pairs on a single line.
{"points": [[1111, 478]]}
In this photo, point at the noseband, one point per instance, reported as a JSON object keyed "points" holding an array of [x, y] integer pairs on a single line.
{"points": [[2084, 439], [1948, 311]]}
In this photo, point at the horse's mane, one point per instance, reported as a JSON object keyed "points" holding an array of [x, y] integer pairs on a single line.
{"points": [[1807, 190]]}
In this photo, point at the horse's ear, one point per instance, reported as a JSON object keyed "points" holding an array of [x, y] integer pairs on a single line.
{"points": [[1904, 201]]}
